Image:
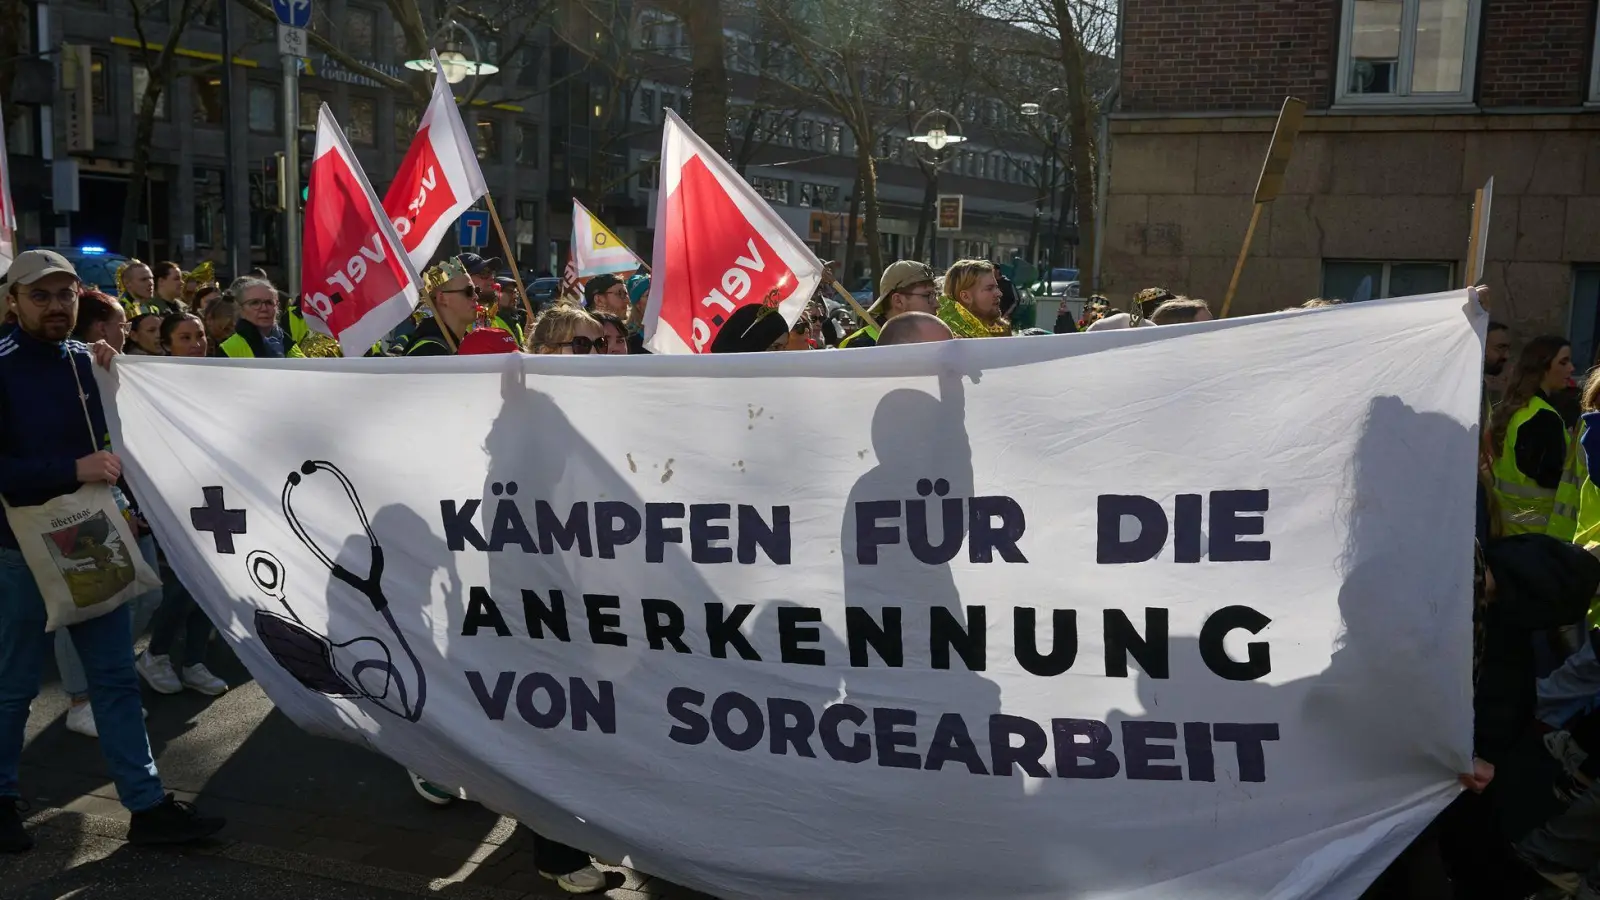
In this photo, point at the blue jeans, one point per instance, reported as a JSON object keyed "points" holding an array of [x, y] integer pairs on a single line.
{"points": [[73, 682], [107, 654]]}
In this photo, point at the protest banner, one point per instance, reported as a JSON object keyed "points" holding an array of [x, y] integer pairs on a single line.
{"points": [[357, 279], [683, 616], [438, 180], [719, 246]]}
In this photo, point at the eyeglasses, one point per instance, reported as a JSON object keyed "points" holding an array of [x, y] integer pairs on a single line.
{"points": [[258, 304], [43, 299], [924, 296], [582, 345], [470, 290]]}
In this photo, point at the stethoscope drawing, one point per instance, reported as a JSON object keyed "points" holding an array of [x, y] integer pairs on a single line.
{"points": [[310, 657]]}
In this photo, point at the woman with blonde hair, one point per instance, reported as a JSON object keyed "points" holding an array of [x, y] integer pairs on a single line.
{"points": [[1531, 444], [565, 329]]}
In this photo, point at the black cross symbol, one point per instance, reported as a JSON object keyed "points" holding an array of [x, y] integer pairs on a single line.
{"points": [[221, 522]]}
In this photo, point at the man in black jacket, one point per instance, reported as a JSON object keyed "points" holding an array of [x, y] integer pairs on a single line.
{"points": [[47, 450]]}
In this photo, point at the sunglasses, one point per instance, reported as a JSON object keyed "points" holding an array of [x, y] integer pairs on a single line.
{"points": [[581, 346], [470, 290]]}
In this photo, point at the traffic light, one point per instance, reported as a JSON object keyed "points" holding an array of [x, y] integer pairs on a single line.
{"points": [[275, 178]]}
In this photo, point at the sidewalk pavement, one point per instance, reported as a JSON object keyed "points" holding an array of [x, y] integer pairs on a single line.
{"points": [[307, 817]]}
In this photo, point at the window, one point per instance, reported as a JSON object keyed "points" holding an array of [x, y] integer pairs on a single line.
{"points": [[773, 190], [488, 140], [1346, 279], [833, 138], [359, 32], [1585, 312], [207, 91], [406, 120], [528, 145], [807, 194], [141, 81], [310, 103], [647, 105], [1594, 72], [363, 125], [1408, 51], [647, 175], [100, 82], [264, 109]]}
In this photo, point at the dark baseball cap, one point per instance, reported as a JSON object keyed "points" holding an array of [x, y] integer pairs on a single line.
{"points": [[477, 265], [599, 285]]}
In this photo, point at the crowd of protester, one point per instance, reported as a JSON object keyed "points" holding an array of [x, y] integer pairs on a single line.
{"points": [[1528, 824]]}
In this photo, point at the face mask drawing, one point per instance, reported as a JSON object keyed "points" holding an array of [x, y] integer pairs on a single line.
{"points": [[359, 668]]}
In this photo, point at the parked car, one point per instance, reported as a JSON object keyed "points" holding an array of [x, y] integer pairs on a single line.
{"points": [[1059, 283], [542, 291], [96, 265]]}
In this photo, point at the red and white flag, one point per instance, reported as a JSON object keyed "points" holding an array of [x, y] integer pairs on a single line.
{"points": [[8, 213], [356, 281], [439, 179], [719, 246]]}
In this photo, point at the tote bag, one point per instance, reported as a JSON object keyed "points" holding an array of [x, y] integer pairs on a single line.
{"points": [[81, 548]]}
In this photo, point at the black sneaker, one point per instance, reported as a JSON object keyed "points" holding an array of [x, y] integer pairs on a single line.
{"points": [[172, 821], [13, 839]]}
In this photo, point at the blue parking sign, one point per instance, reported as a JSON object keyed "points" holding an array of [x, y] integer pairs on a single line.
{"points": [[472, 229], [293, 13]]}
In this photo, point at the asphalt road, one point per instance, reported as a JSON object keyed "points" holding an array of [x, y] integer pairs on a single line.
{"points": [[308, 817]]}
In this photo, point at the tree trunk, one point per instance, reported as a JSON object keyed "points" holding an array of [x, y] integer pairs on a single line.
{"points": [[144, 130], [708, 79], [851, 233], [1080, 132], [868, 193]]}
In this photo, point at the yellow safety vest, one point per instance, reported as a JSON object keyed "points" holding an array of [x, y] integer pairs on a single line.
{"points": [[1525, 507], [1587, 532], [236, 347], [1569, 494]]}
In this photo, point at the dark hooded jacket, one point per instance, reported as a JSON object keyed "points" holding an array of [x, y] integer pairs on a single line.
{"points": [[1541, 583]]}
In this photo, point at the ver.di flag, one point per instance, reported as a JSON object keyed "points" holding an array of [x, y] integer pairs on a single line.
{"points": [[357, 283], [928, 661], [438, 180], [8, 212], [719, 246]]}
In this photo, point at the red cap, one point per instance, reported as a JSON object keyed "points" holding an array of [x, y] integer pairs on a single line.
{"points": [[487, 340]]}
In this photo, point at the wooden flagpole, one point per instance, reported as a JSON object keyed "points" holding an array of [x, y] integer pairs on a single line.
{"points": [[427, 300], [1238, 267], [516, 275], [1269, 184]]}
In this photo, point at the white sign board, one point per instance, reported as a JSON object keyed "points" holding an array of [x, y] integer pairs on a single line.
{"points": [[963, 631], [291, 41]]}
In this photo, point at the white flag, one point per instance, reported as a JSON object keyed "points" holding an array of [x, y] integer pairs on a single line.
{"points": [[438, 180]]}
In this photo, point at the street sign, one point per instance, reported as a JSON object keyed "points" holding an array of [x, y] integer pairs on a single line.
{"points": [[950, 209], [472, 229], [291, 41], [294, 13]]}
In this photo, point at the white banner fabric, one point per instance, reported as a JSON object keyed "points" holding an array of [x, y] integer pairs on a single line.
{"points": [[1177, 612]]}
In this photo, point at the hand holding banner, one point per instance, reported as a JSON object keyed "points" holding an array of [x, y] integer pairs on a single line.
{"points": [[719, 246], [357, 280]]}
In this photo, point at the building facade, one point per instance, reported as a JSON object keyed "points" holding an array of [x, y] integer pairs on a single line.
{"points": [[75, 142], [796, 152], [1413, 106]]}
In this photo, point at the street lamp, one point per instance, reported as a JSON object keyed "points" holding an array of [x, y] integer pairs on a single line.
{"points": [[936, 133], [455, 65], [1033, 110]]}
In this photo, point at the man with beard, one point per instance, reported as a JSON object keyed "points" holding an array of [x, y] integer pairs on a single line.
{"points": [[52, 442], [1496, 351]]}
